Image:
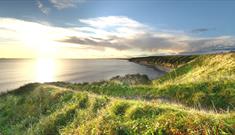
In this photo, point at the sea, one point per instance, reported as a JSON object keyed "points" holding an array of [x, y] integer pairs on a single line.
{"points": [[17, 72]]}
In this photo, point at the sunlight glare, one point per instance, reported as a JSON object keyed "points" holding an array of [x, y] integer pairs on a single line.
{"points": [[39, 40], [45, 70]]}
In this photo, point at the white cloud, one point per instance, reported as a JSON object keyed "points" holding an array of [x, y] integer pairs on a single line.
{"points": [[59, 4], [119, 38], [62, 4], [112, 21], [44, 9]]}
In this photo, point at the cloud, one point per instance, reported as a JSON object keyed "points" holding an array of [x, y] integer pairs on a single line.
{"points": [[112, 36], [200, 30], [43, 9], [59, 4], [144, 42], [62, 4], [201, 44], [123, 33], [27, 39], [112, 21]]}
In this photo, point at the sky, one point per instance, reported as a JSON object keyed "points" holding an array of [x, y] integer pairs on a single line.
{"points": [[114, 28]]}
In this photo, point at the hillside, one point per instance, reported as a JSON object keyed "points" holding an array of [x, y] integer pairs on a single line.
{"points": [[206, 82], [196, 98], [164, 61], [205, 68], [44, 109]]}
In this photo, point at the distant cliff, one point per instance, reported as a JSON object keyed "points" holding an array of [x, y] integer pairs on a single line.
{"points": [[164, 62]]}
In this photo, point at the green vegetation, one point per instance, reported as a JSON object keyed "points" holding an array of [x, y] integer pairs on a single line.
{"points": [[45, 109], [196, 98], [209, 81]]}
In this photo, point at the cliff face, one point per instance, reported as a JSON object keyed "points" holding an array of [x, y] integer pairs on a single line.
{"points": [[164, 62]]}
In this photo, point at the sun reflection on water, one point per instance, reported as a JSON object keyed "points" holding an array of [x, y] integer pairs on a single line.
{"points": [[45, 70]]}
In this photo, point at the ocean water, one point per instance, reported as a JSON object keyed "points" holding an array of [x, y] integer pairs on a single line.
{"points": [[17, 72]]}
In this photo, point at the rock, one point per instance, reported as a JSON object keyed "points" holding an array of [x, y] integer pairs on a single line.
{"points": [[131, 79]]}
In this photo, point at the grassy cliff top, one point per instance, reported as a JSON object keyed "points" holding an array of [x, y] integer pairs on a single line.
{"points": [[204, 68]]}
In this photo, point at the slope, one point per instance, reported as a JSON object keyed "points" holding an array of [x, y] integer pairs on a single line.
{"points": [[44, 109]]}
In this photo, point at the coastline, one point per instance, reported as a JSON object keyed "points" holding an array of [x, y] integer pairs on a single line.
{"points": [[155, 67]]}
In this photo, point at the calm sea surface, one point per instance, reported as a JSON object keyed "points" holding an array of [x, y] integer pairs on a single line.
{"points": [[17, 72]]}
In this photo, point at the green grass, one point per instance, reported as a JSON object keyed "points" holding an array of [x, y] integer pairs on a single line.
{"points": [[196, 98], [46, 109], [208, 80]]}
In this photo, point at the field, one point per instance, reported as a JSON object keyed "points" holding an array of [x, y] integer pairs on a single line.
{"points": [[196, 97]]}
